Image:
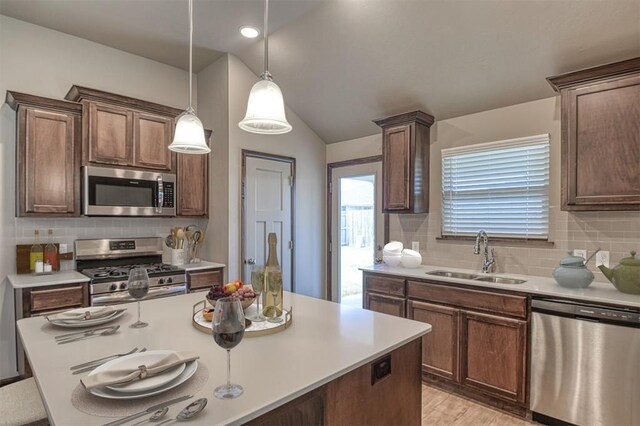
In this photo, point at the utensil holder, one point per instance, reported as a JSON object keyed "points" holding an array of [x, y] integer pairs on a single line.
{"points": [[177, 257]]}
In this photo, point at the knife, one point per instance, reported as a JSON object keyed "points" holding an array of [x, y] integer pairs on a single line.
{"points": [[148, 410], [85, 331]]}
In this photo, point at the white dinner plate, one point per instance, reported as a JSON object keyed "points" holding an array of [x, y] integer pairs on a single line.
{"points": [[117, 313], [190, 370], [133, 361]]}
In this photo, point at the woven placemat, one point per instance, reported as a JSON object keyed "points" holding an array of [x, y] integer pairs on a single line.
{"points": [[103, 407]]}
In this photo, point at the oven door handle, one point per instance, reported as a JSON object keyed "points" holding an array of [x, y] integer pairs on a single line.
{"points": [[124, 297]]}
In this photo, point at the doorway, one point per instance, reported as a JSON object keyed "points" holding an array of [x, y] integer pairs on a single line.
{"points": [[356, 226], [268, 183]]}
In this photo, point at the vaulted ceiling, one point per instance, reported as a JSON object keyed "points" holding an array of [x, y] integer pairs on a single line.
{"points": [[342, 63]]}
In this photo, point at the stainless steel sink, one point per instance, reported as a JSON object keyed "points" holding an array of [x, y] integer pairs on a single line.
{"points": [[448, 274], [500, 280]]}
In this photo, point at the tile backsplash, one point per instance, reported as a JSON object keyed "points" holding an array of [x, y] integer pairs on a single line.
{"points": [[70, 229], [616, 232]]}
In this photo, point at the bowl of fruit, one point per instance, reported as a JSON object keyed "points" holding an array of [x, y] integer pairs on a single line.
{"points": [[234, 290]]}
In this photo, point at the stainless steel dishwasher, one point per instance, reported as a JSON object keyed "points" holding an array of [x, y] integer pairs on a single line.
{"points": [[585, 364]]}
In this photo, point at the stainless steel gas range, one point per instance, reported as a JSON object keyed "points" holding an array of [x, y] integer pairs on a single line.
{"points": [[107, 263]]}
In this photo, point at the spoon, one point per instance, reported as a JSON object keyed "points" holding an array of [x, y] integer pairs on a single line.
{"points": [[155, 416], [180, 237], [592, 254], [189, 411]]}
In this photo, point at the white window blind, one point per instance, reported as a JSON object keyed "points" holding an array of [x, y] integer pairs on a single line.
{"points": [[501, 187]]}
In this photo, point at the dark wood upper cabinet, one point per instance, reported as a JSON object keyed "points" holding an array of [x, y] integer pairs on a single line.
{"points": [[152, 135], [193, 183], [110, 131], [405, 162], [48, 155], [600, 137], [123, 131]]}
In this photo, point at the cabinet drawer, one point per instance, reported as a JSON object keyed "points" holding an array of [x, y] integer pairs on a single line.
{"points": [[49, 300], [386, 285], [473, 299], [203, 280]]}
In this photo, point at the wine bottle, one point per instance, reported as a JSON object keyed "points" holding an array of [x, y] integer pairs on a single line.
{"points": [[272, 271], [36, 252], [51, 252]]}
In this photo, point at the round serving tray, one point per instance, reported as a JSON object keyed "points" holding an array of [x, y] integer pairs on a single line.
{"points": [[254, 329]]}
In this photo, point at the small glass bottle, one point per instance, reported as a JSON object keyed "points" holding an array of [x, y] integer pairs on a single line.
{"points": [[272, 271], [51, 252], [36, 252]]}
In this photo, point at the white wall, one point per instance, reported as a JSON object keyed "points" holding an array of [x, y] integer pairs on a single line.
{"points": [[367, 146], [309, 151], [43, 62]]}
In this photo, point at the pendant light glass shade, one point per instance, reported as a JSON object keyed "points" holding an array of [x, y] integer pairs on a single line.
{"points": [[265, 110], [189, 135]]}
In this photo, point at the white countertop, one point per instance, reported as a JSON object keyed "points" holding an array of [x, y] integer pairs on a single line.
{"points": [[56, 278], [325, 341], [203, 264], [596, 292]]}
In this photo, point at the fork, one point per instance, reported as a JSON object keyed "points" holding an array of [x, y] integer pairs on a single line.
{"points": [[90, 334], [97, 364], [82, 332]]}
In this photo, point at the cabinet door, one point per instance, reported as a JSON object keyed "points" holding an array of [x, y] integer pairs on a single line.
{"points": [[110, 134], [152, 135], [396, 169], [204, 280], [440, 347], [193, 184], [601, 149], [48, 160], [493, 355], [385, 304]]}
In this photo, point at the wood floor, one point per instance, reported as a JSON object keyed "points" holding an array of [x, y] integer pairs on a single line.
{"points": [[442, 408]]}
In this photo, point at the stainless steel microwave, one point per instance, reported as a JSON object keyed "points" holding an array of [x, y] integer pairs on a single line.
{"points": [[119, 192]]}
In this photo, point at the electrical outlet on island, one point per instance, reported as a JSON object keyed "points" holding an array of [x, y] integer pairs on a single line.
{"points": [[581, 253], [602, 258], [415, 246]]}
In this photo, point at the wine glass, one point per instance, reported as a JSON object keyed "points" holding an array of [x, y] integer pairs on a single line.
{"points": [[228, 330], [257, 284], [274, 286], [138, 288]]}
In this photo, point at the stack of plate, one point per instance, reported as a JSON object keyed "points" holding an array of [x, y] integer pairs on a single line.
{"points": [[149, 386], [97, 315]]}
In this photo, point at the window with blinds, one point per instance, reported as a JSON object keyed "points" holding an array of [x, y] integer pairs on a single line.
{"points": [[501, 187]]}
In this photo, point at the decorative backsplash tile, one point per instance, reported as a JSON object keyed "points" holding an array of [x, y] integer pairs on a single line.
{"points": [[71, 229], [616, 232]]}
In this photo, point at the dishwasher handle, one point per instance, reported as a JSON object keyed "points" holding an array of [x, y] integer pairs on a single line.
{"points": [[622, 316]]}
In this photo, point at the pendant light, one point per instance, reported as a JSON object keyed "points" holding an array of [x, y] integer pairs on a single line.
{"points": [[265, 108], [189, 134]]}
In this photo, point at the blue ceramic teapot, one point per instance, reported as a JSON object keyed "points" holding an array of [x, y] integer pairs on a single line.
{"points": [[573, 272]]}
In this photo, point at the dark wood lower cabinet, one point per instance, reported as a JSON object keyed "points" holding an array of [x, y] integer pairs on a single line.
{"points": [[440, 347], [353, 399], [493, 355], [204, 279], [385, 304]]}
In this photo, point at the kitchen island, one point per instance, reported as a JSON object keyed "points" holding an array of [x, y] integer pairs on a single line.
{"points": [[327, 356]]}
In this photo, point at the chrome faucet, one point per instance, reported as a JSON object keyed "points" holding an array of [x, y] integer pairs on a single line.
{"points": [[488, 262]]}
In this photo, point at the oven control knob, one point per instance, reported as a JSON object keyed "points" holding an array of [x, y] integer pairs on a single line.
{"points": [[160, 281], [123, 286], [113, 287], [169, 280]]}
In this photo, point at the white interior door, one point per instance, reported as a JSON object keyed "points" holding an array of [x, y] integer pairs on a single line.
{"points": [[357, 228], [267, 203]]}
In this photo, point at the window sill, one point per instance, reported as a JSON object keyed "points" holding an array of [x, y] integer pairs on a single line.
{"points": [[502, 241]]}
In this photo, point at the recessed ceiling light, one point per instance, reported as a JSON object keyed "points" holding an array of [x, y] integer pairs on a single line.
{"points": [[249, 32]]}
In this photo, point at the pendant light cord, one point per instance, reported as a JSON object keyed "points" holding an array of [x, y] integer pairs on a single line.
{"points": [[191, 53], [266, 39]]}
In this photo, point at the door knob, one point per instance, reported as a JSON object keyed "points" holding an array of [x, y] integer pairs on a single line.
{"points": [[378, 260], [250, 261]]}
